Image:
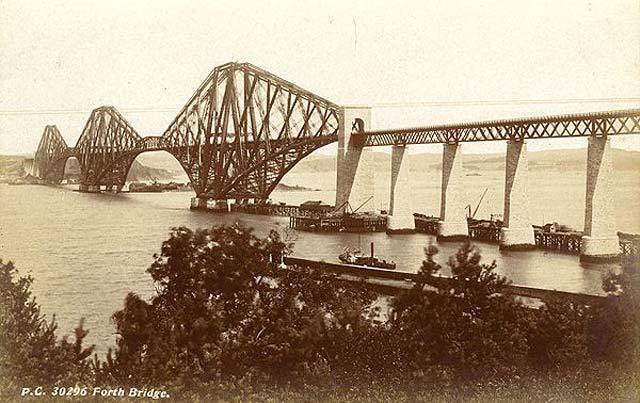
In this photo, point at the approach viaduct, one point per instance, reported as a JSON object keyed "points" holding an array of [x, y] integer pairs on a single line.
{"points": [[245, 128]]}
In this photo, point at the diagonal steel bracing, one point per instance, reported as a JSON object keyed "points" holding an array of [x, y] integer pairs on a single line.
{"points": [[577, 125], [244, 129], [237, 136], [106, 148], [51, 156]]}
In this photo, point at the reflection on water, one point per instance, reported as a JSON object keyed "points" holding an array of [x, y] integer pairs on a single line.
{"points": [[87, 251]]}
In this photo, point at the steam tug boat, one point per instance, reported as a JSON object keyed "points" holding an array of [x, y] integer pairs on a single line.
{"points": [[356, 258]]}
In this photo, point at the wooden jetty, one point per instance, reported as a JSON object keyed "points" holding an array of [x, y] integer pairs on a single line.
{"points": [[426, 224], [357, 222], [266, 209], [551, 236]]}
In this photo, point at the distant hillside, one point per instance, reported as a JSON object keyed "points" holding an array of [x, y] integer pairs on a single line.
{"points": [[566, 160], [163, 166], [283, 187], [142, 173], [11, 167]]}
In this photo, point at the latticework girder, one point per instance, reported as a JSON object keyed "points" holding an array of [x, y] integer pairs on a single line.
{"points": [[576, 125], [106, 148], [233, 133], [244, 129], [241, 131], [51, 156]]}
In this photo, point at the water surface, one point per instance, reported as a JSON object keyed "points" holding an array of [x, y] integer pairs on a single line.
{"points": [[87, 251]]}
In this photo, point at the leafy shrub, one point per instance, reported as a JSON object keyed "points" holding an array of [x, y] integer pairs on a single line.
{"points": [[557, 335], [228, 322], [614, 329], [224, 308], [29, 350], [468, 323]]}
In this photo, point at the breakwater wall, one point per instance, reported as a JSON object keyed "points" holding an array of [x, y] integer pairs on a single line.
{"points": [[392, 282]]}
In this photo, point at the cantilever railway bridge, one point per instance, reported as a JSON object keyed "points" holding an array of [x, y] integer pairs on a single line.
{"points": [[245, 128]]}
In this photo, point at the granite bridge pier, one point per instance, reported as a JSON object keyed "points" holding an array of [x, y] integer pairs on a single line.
{"points": [[245, 128]]}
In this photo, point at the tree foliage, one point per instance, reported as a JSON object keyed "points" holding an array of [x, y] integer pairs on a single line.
{"points": [[225, 308], [29, 349], [467, 323], [614, 332], [227, 313]]}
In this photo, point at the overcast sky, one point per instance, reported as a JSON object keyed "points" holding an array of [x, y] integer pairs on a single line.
{"points": [[410, 60]]}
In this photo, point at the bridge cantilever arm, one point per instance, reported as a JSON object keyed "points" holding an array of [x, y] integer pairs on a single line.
{"points": [[319, 141]]}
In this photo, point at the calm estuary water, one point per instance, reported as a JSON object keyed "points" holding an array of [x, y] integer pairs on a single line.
{"points": [[87, 251]]}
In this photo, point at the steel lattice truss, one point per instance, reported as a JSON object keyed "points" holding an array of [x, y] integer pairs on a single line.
{"points": [[106, 148], [238, 135], [601, 123], [245, 128], [51, 156]]}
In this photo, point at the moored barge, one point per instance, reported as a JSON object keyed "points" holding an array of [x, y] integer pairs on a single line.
{"points": [[348, 222]]}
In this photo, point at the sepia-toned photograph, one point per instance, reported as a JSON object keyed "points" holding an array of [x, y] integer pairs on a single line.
{"points": [[320, 201]]}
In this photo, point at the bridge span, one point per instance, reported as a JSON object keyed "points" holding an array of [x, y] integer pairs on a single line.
{"points": [[245, 128], [575, 125]]}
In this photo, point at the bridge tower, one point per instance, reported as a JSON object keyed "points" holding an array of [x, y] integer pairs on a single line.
{"points": [[51, 156], [355, 169], [453, 222], [400, 217], [243, 130], [517, 231], [600, 241], [105, 150]]}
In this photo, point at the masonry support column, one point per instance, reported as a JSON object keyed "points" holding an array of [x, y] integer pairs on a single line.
{"points": [[517, 231], [210, 204], [355, 170], [400, 218], [198, 203], [600, 240], [90, 188], [453, 222]]}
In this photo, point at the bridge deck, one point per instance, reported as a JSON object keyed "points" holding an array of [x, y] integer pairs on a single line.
{"points": [[577, 125]]}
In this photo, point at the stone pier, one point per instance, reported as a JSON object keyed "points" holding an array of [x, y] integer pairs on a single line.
{"points": [[205, 203], [453, 221], [517, 231], [114, 188], [355, 170], [198, 203], [600, 240], [400, 217], [89, 188]]}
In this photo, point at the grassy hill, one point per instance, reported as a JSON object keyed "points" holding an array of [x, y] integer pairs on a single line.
{"points": [[11, 167], [550, 160], [163, 166]]}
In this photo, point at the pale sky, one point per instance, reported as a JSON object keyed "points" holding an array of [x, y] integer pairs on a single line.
{"points": [[61, 59]]}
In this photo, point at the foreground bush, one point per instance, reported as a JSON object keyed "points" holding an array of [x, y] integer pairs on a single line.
{"points": [[225, 309], [468, 324], [229, 322], [614, 332], [29, 349]]}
